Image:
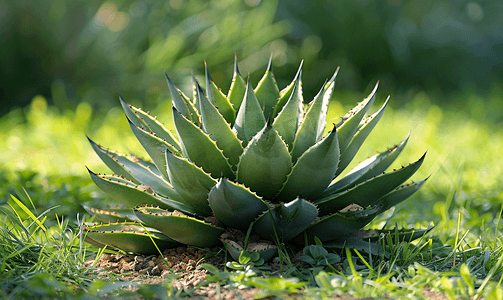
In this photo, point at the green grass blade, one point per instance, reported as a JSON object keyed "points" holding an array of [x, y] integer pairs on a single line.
{"points": [[28, 212]]}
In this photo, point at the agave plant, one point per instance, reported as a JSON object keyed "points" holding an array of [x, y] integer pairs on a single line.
{"points": [[255, 158]]}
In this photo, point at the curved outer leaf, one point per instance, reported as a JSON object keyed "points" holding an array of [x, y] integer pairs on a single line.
{"points": [[154, 146], [351, 120], [339, 225], [288, 120], [190, 182], [183, 229], [314, 170], [111, 160], [218, 99], [235, 205], [200, 149], [367, 169], [219, 130], [147, 177], [358, 139], [143, 119], [400, 194], [131, 114], [285, 93], [288, 220], [265, 163], [130, 195], [250, 118], [370, 191], [181, 102], [311, 129], [117, 214], [129, 237], [237, 88], [404, 234], [267, 91], [138, 171]]}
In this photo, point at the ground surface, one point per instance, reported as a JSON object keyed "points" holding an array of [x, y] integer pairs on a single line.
{"points": [[186, 263]]}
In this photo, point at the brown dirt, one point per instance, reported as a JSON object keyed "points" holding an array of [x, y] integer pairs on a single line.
{"points": [[186, 263]]}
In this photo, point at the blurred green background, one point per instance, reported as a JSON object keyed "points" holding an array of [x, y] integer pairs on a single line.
{"points": [[81, 51], [63, 62]]}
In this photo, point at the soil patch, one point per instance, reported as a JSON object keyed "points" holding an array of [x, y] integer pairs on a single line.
{"points": [[185, 262]]}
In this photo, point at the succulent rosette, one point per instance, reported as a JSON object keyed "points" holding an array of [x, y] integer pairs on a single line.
{"points": [[255, 157]]}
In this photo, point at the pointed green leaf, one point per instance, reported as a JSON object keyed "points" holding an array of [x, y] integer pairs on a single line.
{"points": [[195, 87], [144, 119], [154, 146], [180, 101], [313, 125], [110, 159], [358, 139], [265, 163], [200, 149], [370, 191], [138, 171], [219, 130], [117, 214], [351, 120], [129, 237], [217, 98], [181, 228], [131, 114], [235, 205], [342, 224], [367, 169], [287, 220], [190, 182], [400, 194], [289, 118], [131, 194], [147, 177], [356, 243], [237, 89], [250, 118], [314, 170], [404, 234], [285, 93], [267, 92]]}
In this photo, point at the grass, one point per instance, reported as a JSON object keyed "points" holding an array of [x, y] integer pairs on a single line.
{"points": [[43, 180]]}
